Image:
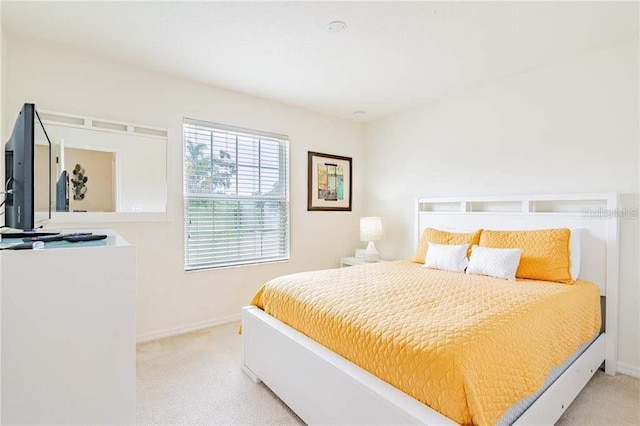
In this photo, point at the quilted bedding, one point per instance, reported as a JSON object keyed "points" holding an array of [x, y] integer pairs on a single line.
{"points": [[468, 346]]}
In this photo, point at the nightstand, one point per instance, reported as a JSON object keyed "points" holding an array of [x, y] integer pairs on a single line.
{"points": [[351, 261]]}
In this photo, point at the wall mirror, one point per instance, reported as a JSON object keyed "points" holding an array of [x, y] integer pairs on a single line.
{"points": [[103, 170]]}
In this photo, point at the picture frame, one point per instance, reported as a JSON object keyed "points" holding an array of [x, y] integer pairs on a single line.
{"points": [[329, 182]]}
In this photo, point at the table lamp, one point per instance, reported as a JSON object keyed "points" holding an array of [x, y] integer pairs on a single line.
{"points": [[370, 231]]}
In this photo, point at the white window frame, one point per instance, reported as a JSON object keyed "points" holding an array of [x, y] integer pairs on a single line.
{"points": [[190, 265]]}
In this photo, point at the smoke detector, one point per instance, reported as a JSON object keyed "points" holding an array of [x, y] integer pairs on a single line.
{"points": [[336, 26]]}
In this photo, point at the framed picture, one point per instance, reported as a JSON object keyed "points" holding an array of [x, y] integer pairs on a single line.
{"points": [[329, 182]]}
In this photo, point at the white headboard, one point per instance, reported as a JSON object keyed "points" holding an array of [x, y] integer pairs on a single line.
{"points": [[596, 214]]}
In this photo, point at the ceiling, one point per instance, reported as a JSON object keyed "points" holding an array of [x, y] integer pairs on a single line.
{"points": [[392, 55]]}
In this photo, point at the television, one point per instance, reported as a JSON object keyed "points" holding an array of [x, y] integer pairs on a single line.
{"points": [[29, 187]]}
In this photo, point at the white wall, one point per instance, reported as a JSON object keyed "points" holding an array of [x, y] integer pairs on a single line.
{"points": [[167, 296], [568, 127]]}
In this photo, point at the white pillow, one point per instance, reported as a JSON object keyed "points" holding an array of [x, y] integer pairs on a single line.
{"points": [[494, 262], [574, 252], [446, 257]]}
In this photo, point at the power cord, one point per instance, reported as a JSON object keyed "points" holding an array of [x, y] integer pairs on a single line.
{"points": [[6, 192]]}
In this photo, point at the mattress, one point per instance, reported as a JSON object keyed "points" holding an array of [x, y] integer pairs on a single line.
{"points": [[468, 346], [518, 409]]}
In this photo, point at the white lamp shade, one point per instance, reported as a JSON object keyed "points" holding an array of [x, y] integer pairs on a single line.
{"points": [[370, 228]]}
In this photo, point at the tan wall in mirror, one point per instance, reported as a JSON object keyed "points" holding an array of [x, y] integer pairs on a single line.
{"points": [[98, 166], [41, 178]]}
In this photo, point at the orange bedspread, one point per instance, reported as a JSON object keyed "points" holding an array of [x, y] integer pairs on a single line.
{"points": [[468, 346]]}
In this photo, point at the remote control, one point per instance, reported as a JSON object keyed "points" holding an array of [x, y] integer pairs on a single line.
{"points": [[26, 246], [27, 234], [59, 237], [44, 239], [81, 238]]}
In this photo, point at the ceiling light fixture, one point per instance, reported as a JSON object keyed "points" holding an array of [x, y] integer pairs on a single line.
{"points": [[336, 26], [358, 113]]}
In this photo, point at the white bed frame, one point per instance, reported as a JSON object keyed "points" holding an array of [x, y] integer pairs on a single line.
{"points": [[324, 388]]}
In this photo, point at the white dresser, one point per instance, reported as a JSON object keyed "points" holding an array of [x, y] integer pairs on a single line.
{"points": [[68, 333]]}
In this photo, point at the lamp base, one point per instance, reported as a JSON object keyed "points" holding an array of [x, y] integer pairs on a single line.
{"points": [[371, 254]]}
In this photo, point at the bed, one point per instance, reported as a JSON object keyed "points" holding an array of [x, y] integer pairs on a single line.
{"points": [[335, 361]]}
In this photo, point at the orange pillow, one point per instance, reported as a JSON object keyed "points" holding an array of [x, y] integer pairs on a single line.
{"points": [[444, 237], [545, 253]]}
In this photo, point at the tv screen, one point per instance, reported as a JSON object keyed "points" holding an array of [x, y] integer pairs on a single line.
{"points": [[28, 166]]}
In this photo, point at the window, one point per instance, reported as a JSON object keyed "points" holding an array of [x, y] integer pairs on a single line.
{"points": [[236, 196]]}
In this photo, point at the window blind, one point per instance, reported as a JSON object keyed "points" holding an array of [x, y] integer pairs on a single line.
{"points": [[236, 196]]}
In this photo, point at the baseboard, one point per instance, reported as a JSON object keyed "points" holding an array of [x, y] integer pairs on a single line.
{"points": [[628, 369], [174, 331]]}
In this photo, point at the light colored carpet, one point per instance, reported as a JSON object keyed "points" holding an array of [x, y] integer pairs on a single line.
{"points": [[196, 379]]}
